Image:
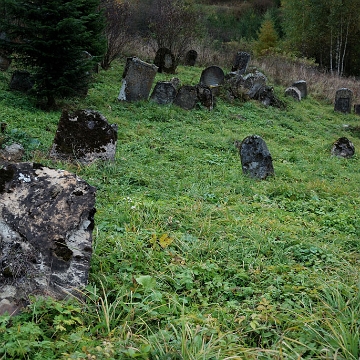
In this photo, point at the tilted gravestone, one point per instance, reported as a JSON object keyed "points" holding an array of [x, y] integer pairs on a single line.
{"points": [[343, 100], [164, 93], [293, 92], [190, 58], [186, 97], [21, 81], [241, 62], [138, 77], [357, 109], [46, 224], [343, 147], [165, 61], [84, 136], [255, 157], [302, 86]]}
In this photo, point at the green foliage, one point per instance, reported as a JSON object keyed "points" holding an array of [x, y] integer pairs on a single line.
{"points": [[52, 39], [268, 38], [193, 260]]}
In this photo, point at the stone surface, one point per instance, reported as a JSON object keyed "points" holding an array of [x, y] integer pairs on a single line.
{"points": [[4, 63], [357, 109], [164, 93], [343, 147], [256, 160], [165, 61], [205, 96], [343, 100], [212, 76], [241, 62], [186, 97], [190, 58], [137, 80], [13, 152], [84, 136], [302, 87], [21, 81], [46, 223], [293, 92]]}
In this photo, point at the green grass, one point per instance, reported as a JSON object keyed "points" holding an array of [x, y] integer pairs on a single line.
{"points": [[193, 260]]}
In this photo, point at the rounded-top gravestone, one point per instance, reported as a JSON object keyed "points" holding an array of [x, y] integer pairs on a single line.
{"points": [[212, 76], [164, 93], [343, 100], [165, 61], [302, 86], [190, 58]]}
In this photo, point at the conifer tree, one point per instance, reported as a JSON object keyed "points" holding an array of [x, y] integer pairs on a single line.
{"points": [[267, 37], [53, 38]]}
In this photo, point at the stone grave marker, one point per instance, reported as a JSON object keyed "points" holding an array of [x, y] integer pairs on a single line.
{"points": [[164, 93], [165, 61], [293, 92], [137, 80], [343, 100], [302, 86], [357, 109], [21, 81], [84, 136], [241, 62], [343, 147], [190, 58], [46, 224], [4, 63], [256, 160], [186, 97], [212, 76], [205, 96]]}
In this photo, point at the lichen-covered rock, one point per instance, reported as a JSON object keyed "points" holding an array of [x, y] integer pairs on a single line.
{"points": [[84, 136], [343, 147], [46, 223]]}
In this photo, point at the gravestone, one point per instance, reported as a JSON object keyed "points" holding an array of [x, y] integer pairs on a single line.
{"points": [[343, 100], [84, 136], [241, 62], [46, 223], [190, 58], [137, 80], [164, 93], [255, 157], [186, 97], [343, 147], [212, 76], [13, 152], [293, 92], [302, 86], [21, 81], [165, 61], [4, 63], [205, 96], [357, 109]]}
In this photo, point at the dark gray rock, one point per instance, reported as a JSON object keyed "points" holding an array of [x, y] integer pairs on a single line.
{"points": [[343, 100], [241, 62], [46, 223], [164, 93], [343, 147], [165, 61], [84, 136], [21, 81], [255, 157], [138, 77]]}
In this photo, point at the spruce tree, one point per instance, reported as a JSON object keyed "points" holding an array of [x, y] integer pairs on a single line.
{"points": [[54, 38]]}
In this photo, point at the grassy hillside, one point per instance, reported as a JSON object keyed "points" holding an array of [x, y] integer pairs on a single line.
{"points": [[193, 260]]}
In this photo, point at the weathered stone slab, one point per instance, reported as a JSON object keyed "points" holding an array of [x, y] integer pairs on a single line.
{"points": [[212, 76], [343, 100], [190, 58], [255, 157], [241, 62], [138, 77], [21, 81], [46, 223], [205, 96], [84, 136], [165, 61], [164, 93], [343, 147], [186, 97], [302, 86], [293, 92]]}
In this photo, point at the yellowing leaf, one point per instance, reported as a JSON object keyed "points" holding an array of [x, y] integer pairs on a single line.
{"points": [[165, 241]]}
